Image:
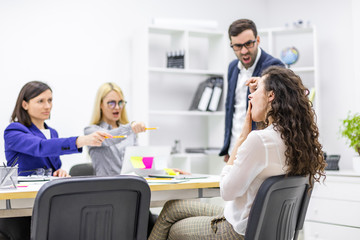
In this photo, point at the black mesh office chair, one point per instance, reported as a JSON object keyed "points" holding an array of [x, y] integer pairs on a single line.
{"points": [[83, 169], [279, 209], [92, 208]]}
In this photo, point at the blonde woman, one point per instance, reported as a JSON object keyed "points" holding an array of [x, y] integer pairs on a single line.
{"points": [[109, 115]]}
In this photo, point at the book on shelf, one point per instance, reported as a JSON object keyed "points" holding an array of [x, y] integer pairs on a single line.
{"points": [[176, 59], [203, 93], [216, 95], [208, 94]]}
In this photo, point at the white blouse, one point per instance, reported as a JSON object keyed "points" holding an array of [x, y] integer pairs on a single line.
{"points": [[46, 133], [260, 156]]}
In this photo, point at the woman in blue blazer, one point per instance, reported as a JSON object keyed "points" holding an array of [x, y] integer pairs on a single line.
{"points": [[31, 143]]}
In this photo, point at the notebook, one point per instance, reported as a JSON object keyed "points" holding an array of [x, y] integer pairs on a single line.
{"points": [[192, 176], [181, 176], [145, 160]]}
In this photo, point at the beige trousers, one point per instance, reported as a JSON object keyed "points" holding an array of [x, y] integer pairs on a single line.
{"points": [[188, 219]]}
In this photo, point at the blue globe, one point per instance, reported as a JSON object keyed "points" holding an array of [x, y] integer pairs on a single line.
{"points": [[289, 55]]}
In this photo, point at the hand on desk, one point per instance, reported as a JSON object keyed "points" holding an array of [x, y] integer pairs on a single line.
{"points": [[61, 173], [180, 171]]}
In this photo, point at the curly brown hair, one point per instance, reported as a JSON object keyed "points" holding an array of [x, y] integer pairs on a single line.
{"points": [[293, 116]]}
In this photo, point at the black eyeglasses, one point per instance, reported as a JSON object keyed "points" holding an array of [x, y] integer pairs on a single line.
{"points": [[239, 46], [112, 104]]}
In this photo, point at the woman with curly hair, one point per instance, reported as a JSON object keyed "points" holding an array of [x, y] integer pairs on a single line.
{"points": [[287, 144]]}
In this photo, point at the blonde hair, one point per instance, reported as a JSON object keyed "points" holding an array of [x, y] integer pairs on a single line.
{"points": [[101, 93]]}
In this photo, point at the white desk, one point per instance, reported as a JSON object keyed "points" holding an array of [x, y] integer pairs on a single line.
{"points": [[19, 202]]}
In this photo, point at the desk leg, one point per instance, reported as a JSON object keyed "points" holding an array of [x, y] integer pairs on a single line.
{"points": [[8, 204], [201, 194]]}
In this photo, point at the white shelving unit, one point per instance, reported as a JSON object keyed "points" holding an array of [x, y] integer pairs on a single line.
{"points": [[162, 96], [274, 40]]}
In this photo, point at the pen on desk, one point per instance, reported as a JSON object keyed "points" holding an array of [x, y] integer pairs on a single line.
{"points": [[152, 128], [158, 178], [15, 161], [122, 136]]}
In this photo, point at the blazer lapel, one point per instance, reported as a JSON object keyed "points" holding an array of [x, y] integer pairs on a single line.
{"points": [[36, 131], [233, 83], [258, 68]]}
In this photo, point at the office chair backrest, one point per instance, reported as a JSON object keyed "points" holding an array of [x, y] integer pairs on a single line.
{"points": [[279, 209], [83, 169], [92, 208]]}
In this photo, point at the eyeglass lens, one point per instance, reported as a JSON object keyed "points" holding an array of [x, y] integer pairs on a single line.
{"points": [[43, 172], [247, 45], [40, 172], [112, 104]]}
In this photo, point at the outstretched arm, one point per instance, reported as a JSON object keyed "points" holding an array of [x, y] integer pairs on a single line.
{"points": [[93, 139]]}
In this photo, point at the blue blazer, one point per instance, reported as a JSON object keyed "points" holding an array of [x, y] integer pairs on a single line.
{"points": [[264, 62], [32, 150]]}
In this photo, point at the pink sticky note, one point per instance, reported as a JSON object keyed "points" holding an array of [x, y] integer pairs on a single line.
{"points": [[148, 162]]}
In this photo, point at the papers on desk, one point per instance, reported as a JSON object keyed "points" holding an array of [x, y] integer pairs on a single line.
{"points": [[181, 176], [164, 180], [35, 178], [168, 179]]}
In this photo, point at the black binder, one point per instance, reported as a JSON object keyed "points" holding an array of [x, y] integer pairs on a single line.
{"points": [[216, 95], [208, 95]]}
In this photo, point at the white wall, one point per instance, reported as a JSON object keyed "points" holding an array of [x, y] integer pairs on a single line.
{"points": [[75, 45], [356, 40]]}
